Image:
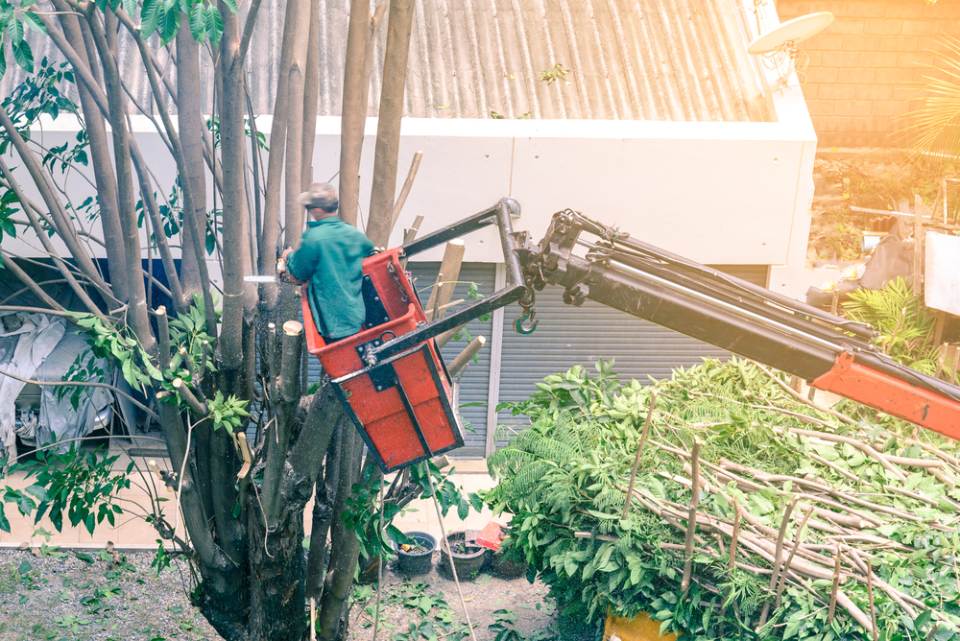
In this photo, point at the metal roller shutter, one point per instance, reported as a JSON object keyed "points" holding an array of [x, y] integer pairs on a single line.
{"points": [[570, 335], [474, 383]]}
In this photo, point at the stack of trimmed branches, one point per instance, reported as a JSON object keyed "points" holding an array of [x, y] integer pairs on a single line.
{"points": [[727, 505]]}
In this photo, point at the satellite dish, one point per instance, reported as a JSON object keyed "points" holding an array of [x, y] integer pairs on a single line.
{"points": [[785, 36]]}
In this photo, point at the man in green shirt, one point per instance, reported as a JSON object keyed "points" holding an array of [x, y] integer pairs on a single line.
{"points": [[330, 259]]}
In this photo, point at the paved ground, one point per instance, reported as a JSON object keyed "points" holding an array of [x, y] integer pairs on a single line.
{"points": [[96, 595]]}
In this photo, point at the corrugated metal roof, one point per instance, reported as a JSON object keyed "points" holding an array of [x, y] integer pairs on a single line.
{"points": [[681, 60]]}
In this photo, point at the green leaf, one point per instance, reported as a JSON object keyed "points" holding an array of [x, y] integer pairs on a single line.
{"points": [[169, 24], [23, 54], [83, 556], [214, 24], [15, 30], [149, 16], [198, 21], [4, 523]]}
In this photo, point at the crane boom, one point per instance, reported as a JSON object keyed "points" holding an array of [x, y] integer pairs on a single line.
{"points": [[832, 353], [590, 260]]}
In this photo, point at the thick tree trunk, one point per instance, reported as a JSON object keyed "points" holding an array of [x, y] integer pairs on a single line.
{"points": [[353, 109], [277, 577], [388, 125]]}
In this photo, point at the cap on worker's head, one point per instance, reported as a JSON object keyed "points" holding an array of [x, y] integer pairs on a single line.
{"points": [[322, 196]]}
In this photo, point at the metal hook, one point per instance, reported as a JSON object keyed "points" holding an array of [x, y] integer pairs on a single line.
{"points": [[526, 324]]}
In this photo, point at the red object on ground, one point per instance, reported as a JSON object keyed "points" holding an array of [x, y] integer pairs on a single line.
{"points": [[491, 536], [891, 395], [401, 406]]}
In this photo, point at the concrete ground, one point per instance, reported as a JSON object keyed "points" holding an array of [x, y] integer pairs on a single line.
{"points": [[133, 533]]}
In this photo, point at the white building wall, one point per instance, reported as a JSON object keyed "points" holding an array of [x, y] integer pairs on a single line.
{"points": [[720, 193]]}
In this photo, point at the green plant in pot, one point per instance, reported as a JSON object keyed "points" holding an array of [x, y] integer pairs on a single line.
{"points": [[468, 556]]}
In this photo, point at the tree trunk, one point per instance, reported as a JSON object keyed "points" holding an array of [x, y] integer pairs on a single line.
{"points": [[192, 175], [353, 109], [388, 124], [277, 577]]}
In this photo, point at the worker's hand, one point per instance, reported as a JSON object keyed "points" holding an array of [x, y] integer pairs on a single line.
{"points": [[282, 272]]}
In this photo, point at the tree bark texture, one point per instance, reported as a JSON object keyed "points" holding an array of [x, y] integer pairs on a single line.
{"points": [[387, 152]]}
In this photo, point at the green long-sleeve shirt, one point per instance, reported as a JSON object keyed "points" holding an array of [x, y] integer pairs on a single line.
{"points": [[330, 259]]}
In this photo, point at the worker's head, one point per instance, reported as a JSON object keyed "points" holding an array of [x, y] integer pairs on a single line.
{"points": [[320, 200]]}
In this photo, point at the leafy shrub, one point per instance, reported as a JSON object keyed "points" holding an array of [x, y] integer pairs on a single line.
{"points": [[764, 455]]}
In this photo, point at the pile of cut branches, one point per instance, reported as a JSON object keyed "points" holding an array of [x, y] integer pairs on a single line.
{"points": [[729, 507]]}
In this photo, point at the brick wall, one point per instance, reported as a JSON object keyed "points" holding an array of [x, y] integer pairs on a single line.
{"points": [[865, 72]]}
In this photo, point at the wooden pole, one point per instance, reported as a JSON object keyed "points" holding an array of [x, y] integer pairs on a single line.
{"points": [[446, 281], [411, 232], [463, 358]]}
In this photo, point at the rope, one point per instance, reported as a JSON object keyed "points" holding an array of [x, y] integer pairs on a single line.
{"points": [[453, 567], [376, 615]]}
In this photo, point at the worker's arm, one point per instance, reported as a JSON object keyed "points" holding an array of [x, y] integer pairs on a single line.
{"points": [[300, 263]]}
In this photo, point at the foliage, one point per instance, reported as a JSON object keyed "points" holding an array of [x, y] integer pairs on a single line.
{"points": [[879, 181], [904, 326], [433, 617], [227, 412], [119, 345], [935, 125], [565, 480], [15, 19], [79, 483], [374, 528]]}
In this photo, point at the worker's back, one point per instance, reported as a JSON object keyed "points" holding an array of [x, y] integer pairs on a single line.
{"points": [[330, 259]]}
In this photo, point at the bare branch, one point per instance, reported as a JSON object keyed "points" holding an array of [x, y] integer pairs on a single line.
{"points": [[248, 27]]}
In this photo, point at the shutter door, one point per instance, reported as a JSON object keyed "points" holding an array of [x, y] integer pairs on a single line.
{"points": [[474, 383], [569, 335], [475, 380]]}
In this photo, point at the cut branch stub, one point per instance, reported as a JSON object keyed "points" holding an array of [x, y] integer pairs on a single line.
{"points": [[187, 395], [290, 349]]}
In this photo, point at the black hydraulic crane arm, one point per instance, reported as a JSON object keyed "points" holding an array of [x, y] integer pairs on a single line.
{"points": [[594, 261]]}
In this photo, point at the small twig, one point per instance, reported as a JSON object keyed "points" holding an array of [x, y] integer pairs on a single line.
{"points": [[581, 534], [738, 517], [835, 589], [793, 553], [405, 190], [691, 517], [651, 405], [873, 611], [777, 558]]}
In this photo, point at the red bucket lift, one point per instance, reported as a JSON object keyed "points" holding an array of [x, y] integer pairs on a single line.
{"points": [[390, 376]]}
